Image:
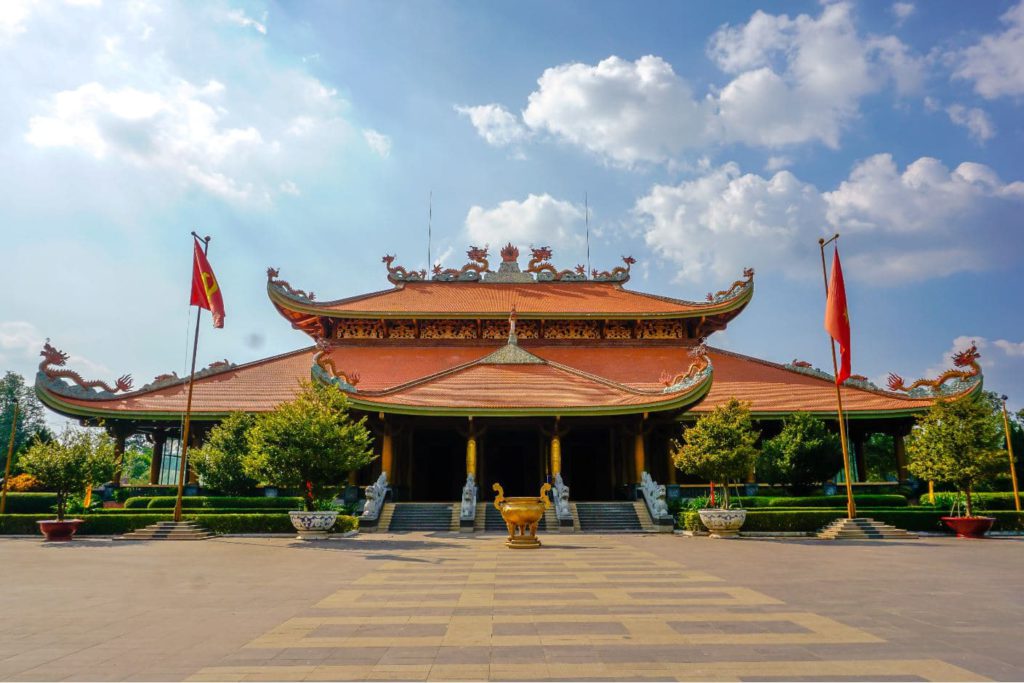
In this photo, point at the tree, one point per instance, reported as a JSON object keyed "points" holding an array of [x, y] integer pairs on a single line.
{"points": [[803, 454], [138, 456], [31, 416], [957, 442], [219, 462], [311, 442], [69, 463], [720, 446], [879, 455]]}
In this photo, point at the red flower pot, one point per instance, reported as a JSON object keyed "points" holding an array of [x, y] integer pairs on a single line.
{"points": [[56, 530], [969, 527]]}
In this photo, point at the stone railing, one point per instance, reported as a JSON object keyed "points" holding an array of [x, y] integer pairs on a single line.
{"points": [[563, 511], [654, 498], [376, 494], [467, 509]]}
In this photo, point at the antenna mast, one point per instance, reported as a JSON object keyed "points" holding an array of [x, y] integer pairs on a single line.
{"points": [[586, 205], [430, 221]]}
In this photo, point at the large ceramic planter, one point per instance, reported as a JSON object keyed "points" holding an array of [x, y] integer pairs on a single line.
{"points": [[55, 530], [969, 527], [723, 523], [313, 525]]}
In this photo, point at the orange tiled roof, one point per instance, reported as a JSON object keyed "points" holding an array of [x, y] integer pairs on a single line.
{"points": [[548, 299], [439, 377]]}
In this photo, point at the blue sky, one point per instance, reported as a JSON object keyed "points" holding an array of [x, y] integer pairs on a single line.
{"points": [[707, 136]]}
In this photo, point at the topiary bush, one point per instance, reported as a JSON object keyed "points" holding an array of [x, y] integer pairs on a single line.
{"points": [[30, 503], [216, 502], [110, 525], [982, 501], [219, 461]]}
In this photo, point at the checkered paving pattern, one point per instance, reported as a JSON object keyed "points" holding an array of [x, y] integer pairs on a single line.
{"points": [[586, 608]]}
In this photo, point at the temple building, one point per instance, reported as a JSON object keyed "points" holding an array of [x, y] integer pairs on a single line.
{"points": [[507, 374]]}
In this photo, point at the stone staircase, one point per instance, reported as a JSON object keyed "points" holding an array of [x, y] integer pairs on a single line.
{"points": [[862, 528], [421, 517], [608, 517], [168, 531], [644, 516], [489, 520]]}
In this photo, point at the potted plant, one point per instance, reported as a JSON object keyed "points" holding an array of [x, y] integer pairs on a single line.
{"points": [[957, 442], [720, 447], [309, 443], [65, 466]]}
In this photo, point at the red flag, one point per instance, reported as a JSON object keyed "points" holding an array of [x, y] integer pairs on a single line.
{"points": [[837, 317], [205, 290]]}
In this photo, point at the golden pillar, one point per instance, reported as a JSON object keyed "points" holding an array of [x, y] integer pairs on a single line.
{"points": [[471, 455], [556, 455], [639, 457], [352, 478], [387, 454]]}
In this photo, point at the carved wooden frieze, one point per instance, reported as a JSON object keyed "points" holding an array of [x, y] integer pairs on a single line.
{"points": [[661, 329], [402, 329], [572, 329], [615, 329], [358, 329], [448, 329]]}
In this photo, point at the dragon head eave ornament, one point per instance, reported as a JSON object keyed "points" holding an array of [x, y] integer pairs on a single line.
{"points": [[52, 373], [324, 369], [698, 371], [285, 288], [735, 289], [950, 383]]}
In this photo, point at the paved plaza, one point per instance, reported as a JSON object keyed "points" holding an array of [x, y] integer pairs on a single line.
{"points": [[440, 606]]}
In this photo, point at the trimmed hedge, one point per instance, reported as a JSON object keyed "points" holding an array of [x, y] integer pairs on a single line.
{"points": [[981, 501], [863, 500], [217, 502], [188, 511], [812, 520], [30, 503], [106, 524]]}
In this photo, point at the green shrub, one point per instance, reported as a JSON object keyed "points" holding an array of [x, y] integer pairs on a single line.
{"points": [[216, 502], [29, 503], [982, 501], [863, 500], [810, 520], [190, 511], [107, 524]]}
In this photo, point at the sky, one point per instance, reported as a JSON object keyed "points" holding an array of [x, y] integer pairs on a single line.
{"points": [[702, 138]]}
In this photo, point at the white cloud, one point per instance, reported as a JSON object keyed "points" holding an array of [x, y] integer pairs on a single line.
{"points": [[978, 124], [239, 17], [289, 187], [1013, 349], [627, 112], [18, 340], [995, 63], [537, 220], [495, 124], [793, 81], [921, 223], [13, 14], [378, 142], [777, 163], [902, 11]]}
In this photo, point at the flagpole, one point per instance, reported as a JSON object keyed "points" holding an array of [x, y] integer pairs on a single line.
{"points": [[851, 506], [10, 452], [188, 402], [1009, 451]]}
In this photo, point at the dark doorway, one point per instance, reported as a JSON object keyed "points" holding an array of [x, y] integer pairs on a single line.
{"points": [[512, 458], [587, 464], [438, 470]]}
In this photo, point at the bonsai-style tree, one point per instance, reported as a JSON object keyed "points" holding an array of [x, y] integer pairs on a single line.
{"points": [[803, 454], [311, 442], [69, 463], [720, 446], [956, 442], [220, 460]]}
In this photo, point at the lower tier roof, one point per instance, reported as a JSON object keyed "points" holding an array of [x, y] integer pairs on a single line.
{"points": [[459, 380]]}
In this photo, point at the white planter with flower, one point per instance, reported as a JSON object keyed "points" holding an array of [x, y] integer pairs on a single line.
{"points": [[313, 524], [723, 523]]}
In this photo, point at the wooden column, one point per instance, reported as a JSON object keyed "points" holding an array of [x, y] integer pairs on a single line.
{"points": [[900, 446], [861, 456], [471, 455], [159, 440], [120, 434], [639, 456], [556, 455], [387, 465]]}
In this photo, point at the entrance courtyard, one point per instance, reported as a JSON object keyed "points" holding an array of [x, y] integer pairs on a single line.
{"points": [[444, 607]]}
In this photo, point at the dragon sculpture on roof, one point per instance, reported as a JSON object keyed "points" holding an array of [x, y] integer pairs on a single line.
{"points": [[734, 289], [328, 371], [546, 272], [471, 272], [54, 359], [698, 369], [272, 279], [956, 379], [616, 274], [400, 274]]}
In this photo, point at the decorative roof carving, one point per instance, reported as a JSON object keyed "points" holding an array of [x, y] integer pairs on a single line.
{"points": [[546, 272], [325, 370], [616, 274], [949, 383], [286, 288], [51, 374], [509, 253], [699, 369], [471, 272], [400, 274], [735, 289]]}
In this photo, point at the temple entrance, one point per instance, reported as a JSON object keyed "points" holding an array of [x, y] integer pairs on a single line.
{"points": [[438, 468], [587, 464], [514, 459]]}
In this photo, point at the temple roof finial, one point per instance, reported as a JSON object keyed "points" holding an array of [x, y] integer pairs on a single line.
{"points": [[512, 338]]}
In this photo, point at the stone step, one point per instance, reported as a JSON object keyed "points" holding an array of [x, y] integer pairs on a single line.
{"points": [[421, 517], [863, 528], [608, 517], [168, 531]]}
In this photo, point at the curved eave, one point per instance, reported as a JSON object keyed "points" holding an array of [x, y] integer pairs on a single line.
{"points": [[322, 309], [673, 402]]}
